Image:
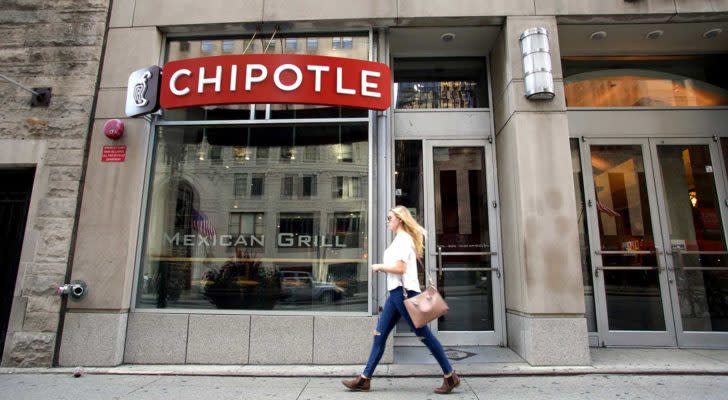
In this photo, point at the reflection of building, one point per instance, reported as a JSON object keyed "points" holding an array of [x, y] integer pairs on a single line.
{"points": [[305, 203], [223, 221]]}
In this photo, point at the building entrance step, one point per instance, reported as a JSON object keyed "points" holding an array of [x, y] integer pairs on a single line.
{"points": [[457, 355]]}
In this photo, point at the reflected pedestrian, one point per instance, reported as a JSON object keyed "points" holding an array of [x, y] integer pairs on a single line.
{"points": [[400, 264]]}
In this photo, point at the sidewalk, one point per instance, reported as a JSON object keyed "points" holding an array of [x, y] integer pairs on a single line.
{"points": [[604, 361], [143, 387]]}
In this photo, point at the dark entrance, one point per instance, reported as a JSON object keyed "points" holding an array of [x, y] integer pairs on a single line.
{"points": [[15, 188]]}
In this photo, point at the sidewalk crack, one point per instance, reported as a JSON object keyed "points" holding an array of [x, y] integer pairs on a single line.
{"points": [[143, 386], [304, 388], [471, 389]]}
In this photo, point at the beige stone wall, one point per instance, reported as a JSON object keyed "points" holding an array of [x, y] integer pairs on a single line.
{"points": [[53, 44], [58, 43], [157, 13], [542, 272]]}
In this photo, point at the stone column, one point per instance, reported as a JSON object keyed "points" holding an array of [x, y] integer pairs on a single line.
{"points": [[43, 47], [543, 285], [94, 331]]}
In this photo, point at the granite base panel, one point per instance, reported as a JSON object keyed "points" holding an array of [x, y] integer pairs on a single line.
{"points": [[549, 341], [93, 339], [157, 338]]}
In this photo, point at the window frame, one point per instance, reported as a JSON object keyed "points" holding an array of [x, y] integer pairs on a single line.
{"points": [[373, 237]]}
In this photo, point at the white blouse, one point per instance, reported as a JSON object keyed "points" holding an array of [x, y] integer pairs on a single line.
{"points": [[402, 248]]}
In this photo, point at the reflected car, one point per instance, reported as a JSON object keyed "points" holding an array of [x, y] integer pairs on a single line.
{"points": [[242, 285], [299, 286]]}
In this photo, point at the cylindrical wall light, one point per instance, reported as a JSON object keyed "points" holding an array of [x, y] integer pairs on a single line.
{"points": [[537, 76]]}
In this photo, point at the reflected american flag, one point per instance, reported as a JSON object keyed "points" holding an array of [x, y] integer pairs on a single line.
{"points": [[202, 224]]}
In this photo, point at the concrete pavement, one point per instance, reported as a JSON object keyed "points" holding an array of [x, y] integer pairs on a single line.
{"points": [[603, 361], [142, 387], [613, 374]]}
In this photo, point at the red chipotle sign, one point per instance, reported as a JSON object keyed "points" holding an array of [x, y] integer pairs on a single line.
{"points": [[275, 78]]}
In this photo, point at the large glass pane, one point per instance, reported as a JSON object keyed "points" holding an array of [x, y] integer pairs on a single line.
{"points": [[646, 81], [694, 220], [440, 83], [252, 229], [634, 300], [354, 46], [461, 222], [586, 269], [409, 192]]}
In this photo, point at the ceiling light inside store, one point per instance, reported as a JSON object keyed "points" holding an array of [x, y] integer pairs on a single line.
{"points": [[655, 34], [712, 33], [447, 37], [599, 35]]}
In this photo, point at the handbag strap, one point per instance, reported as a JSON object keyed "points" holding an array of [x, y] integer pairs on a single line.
{"points": [[401, 278]]}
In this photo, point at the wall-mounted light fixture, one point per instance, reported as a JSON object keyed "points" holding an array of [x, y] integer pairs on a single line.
{"points": [[537, 73]]}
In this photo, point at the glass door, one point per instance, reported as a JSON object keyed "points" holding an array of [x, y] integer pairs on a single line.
{"points": [[628, 259], [692, 198], [462, 241], [657, 227], [449, 186]]}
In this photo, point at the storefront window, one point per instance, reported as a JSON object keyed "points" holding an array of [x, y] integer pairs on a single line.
{"points": [[648, 81], [422, 83], [355, 46], [250, 231]]}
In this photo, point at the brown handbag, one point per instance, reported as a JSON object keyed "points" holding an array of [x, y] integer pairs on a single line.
{"points": [[426, 306]]}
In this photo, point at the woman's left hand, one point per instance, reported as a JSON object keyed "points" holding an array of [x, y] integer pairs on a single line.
{"points": [[377, 267]]}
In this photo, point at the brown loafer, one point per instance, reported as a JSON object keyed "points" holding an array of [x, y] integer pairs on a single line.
{"points": [[448, 384], [359, 383]]}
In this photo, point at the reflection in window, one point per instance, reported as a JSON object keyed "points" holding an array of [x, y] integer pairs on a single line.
{"points": [[342, 42], [247, 224], [216, 155], [658, 81], [227, 46], [207, 46], [633, 297], [440, 83], [346, 187], [312, 43], [345, 152], [297, 229], [291, 44], [257, 185], [299, 186], [241, 185], [693, 214], [346, 228], [221, 234]]}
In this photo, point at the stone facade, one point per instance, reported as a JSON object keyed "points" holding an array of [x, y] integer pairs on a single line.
{"points": [[54, 44], [61, 43]]}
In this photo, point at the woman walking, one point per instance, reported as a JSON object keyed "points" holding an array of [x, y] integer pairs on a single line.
{"points": [[400, 264]]}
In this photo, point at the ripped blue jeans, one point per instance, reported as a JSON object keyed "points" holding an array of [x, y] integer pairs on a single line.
{"points": [[394, 309]]}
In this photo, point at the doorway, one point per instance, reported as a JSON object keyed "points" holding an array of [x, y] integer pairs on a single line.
{"points": [[449, 186], [14, 203], [656, 220]]}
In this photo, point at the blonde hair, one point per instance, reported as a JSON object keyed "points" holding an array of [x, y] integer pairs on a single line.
{"points": [[415, 230]]}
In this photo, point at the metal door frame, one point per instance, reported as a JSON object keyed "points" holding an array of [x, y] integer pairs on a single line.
{"points": [[454, 338], [690, 338], [665, 338]]}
